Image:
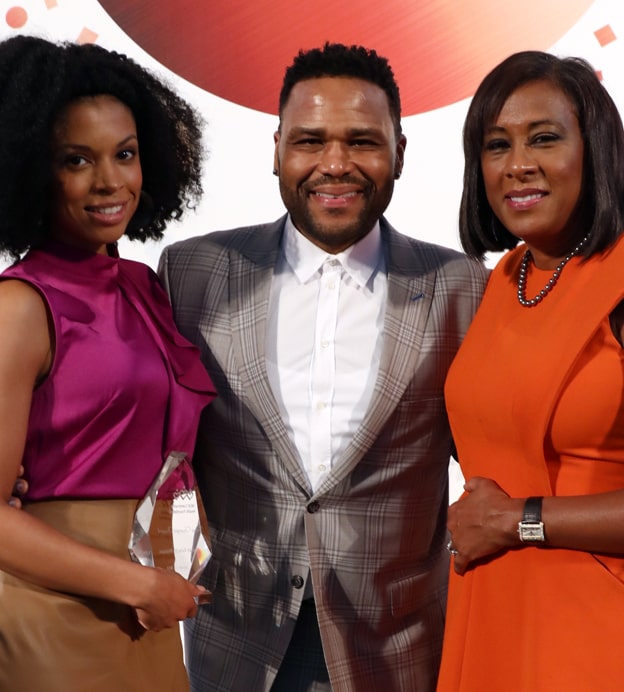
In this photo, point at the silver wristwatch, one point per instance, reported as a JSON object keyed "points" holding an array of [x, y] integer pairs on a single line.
{"points": [[531, 528]]}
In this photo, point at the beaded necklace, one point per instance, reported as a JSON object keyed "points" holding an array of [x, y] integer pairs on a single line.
{"points": [[550, 284]]}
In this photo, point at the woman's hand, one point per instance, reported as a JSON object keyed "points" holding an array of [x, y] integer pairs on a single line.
{"points": [[482, 522], [171, 599]]}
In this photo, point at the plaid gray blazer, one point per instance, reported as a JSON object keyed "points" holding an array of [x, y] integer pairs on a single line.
{"points": [[373, 535]]}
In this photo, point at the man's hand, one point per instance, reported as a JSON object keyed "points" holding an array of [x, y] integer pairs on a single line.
{"points": [[19, 490]]}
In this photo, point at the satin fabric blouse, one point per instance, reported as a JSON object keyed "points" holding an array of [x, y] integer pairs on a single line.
{"points": [[125, 388]]}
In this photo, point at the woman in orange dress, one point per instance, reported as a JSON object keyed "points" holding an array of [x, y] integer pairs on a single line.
{"points": [[536, 393]]}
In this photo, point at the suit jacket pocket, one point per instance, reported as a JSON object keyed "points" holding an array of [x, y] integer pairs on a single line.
{"points": [[412, 593]]}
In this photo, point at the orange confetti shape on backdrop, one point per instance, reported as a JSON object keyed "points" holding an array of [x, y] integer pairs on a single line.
{"points": [[16, 17]]}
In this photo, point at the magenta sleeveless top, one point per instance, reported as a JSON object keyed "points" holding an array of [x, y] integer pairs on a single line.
{"points": [[125, 388]]}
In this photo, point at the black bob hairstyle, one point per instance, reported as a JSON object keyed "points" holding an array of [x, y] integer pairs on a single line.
{"points": [[338, 60], [38, 79], [602, 201]]}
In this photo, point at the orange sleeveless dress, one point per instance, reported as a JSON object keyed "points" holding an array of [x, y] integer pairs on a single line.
{"points": [[536, 402]]}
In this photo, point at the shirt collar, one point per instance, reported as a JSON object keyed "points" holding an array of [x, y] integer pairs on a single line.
{"points": [[305, 258]]}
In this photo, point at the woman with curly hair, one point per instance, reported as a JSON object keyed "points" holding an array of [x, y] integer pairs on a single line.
{"points": [[96, 384]]}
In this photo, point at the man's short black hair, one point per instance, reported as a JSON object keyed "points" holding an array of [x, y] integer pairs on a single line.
{"points": [[338, 60]]}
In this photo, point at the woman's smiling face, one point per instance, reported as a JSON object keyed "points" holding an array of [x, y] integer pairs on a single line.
{"points": [[532, 165], [96, 173]]}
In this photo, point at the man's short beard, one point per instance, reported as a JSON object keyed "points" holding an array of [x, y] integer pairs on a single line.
{"points": [[331, 237]]}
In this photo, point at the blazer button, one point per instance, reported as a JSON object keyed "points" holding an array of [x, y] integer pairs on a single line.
{"points": [[297, 581], [314, 507]]}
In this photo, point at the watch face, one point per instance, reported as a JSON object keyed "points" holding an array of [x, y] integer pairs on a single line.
{"points": [[531, 531]]}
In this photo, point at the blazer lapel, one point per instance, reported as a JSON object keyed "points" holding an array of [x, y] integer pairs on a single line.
{"points": [[251, 273], [410, 294]]}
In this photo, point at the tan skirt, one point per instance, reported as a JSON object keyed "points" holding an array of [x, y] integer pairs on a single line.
{"points": [[55, 642]]}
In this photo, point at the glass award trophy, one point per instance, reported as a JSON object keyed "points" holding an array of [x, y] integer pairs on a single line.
{"points": [[170, 526]]}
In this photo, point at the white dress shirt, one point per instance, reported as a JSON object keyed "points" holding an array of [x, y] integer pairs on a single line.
{"points": [[324, 338]]}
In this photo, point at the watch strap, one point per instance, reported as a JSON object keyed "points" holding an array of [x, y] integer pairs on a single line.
{"points": [[532, 512]]}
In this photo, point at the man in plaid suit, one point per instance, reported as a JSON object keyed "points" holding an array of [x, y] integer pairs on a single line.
{"points": [[323, 461]]}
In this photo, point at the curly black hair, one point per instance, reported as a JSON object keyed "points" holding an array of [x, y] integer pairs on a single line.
{"points": [[38, 79], [338, 60], [602, 201]]}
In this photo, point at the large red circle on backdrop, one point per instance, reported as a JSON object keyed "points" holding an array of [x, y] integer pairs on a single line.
{"points": [[439, 49]]}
